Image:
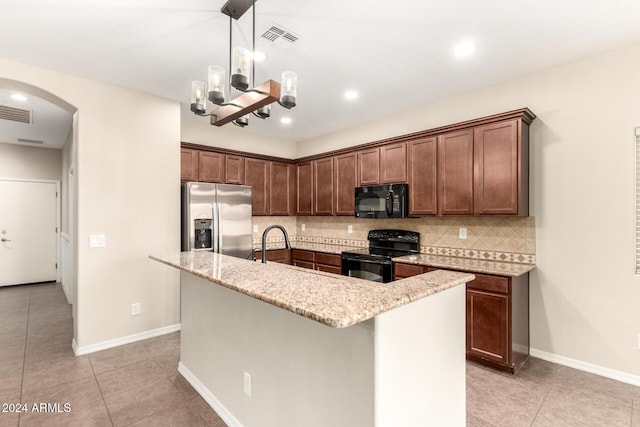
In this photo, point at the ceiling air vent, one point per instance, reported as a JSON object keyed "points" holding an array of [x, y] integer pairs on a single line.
{"points": [[277, 33], [30, 141], [15, 114]]}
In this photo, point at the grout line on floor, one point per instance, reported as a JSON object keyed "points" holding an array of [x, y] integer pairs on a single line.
{"points": [[104, 402], [24, 355]]}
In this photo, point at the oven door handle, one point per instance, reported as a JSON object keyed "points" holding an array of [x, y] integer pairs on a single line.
{"points": [[366, 261]]}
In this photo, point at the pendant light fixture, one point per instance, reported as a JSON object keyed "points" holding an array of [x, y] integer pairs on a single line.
{"points": [[254, 99]]}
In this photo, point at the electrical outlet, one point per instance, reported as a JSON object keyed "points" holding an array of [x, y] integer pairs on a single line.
{"points": [[255, 228], [303, 227], [247, 384], [462, 233], [350, 229], [135, 309]]}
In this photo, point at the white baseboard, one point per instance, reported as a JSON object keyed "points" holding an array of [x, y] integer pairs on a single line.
{"points": [[217, 406], [79, 351], [587, 367]]}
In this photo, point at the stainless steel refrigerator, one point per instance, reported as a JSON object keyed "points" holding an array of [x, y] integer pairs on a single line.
{"points": [[217, 217]]}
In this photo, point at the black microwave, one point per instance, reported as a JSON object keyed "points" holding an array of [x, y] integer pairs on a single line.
{"points": [[382, 201]]}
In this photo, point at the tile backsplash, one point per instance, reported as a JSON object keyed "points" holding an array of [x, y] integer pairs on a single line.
{"points": [[487, 237]]}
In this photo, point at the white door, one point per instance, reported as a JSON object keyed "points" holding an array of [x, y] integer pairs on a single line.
{"points": [[28, 218]]}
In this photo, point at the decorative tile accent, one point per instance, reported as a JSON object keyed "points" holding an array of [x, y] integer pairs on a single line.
{"points": [[277, 242]]}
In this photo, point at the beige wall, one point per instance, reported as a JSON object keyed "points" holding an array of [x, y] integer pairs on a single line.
{"points": [[128, 178], [197, 130], [19, 161], [584, 292], [64, 186]]}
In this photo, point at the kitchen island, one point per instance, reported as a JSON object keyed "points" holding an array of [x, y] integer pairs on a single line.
{"points": [[276, 345]]}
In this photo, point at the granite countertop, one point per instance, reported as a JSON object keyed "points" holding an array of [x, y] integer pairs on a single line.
{"points": [[467, 264], [336, 301]]}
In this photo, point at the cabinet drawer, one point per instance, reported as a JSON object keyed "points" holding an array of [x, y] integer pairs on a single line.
{"points": [[302, 255], [490, 283], [407, 270], [329, 268], [304, 264], [328, 259]]}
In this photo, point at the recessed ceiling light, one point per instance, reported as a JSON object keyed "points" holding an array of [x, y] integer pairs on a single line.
{"points": [[18, 97], [259, 56], [285, 120], [351, 94], [464, 49]]}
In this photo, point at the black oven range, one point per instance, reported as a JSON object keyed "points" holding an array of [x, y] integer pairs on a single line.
{"points": [[374, 263]]}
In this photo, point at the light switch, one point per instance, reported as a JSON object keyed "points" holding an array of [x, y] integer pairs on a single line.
{"points": [[97, 241], [303, 227], [255, 228], [349, 229]]}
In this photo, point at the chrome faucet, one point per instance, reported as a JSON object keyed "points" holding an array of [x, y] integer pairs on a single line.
{"points": [[287, 244]]}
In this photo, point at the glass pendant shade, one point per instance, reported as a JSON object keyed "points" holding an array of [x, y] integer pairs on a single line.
{"points": [[216, 84], [241, 64], [289, 89], [242, 121], [264, 112], [198, 97]]}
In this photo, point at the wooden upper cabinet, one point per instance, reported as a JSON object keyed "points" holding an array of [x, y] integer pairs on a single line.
{"points": [[188, 164], [455, 173], [369, 167], [346, 177], [280, 188], [304, 188], [498, 169], [210, 167], [256, 174], [323, 186], [423, 176], [393, 163], [234, 169]]}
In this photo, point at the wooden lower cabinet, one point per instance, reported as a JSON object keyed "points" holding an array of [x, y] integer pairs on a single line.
{"points": [[302, 258], [321, 261], [402, 271], [330, 263], [498, 321], [497, 317], [283, 256]]}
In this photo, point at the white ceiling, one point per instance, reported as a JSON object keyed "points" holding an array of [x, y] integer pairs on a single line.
{"points": [[397, 55]]}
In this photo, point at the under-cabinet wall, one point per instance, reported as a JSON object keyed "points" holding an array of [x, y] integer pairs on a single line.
{"points": [[485, 235]]}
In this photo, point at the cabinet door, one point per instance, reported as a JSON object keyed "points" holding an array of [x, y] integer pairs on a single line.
{"points": [[304, 188], [423, 176], [488, 325], [210, 167], [401, 271], [369, 167], [256, 174], [455, 173], [188, 164], [323, 186], [302, 258], [280, 180], [496, 172], [234, 169], [393, 163], [345, 183]]}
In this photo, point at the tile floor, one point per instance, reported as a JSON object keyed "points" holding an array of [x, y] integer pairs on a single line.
{"points": [[138, 384]]}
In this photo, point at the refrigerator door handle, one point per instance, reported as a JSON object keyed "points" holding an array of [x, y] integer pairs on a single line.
{"points": [[216, 228]]}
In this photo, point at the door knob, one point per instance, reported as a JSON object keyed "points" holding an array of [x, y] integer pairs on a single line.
{"points": [[4, 239]]}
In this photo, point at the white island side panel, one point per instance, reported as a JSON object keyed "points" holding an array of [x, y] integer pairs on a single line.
{"points": [[420, 362], [303, 373]]}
